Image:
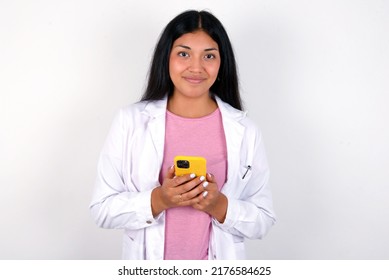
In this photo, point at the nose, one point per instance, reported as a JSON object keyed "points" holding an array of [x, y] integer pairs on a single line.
{"points": [[196, 65]]}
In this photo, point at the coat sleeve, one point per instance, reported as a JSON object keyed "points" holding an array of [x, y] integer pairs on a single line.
{"points": [[250, 214], [117, 204]]}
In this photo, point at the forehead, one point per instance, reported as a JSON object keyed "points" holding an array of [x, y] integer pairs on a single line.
{"points": [[196, 40]]}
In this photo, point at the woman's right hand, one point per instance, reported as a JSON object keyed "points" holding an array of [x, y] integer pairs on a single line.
{"points": [[176, 191]]}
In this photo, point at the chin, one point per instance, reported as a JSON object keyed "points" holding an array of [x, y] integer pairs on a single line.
{"points": [[194, 93]]}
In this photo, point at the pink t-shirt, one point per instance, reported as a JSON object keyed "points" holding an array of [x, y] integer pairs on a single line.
{"points": [[187, 230]]}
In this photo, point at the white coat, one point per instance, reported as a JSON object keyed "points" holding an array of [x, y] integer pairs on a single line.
{"points": [[129, 168]]}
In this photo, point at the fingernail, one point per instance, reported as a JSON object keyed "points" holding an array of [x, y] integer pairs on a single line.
{"points": [[192, 175], [202, 178], [205, 194], [205, 184]]}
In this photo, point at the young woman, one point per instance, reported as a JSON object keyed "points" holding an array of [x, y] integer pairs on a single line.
{"points": [[191, 107]]}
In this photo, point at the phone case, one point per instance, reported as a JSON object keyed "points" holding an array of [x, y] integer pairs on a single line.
{"points": [[190, 164]]}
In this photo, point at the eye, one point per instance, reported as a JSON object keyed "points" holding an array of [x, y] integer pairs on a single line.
{"points": [[209, 56], [183, 54]]}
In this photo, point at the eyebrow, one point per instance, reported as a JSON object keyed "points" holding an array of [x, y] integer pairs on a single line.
{"points": [[188, 48]]}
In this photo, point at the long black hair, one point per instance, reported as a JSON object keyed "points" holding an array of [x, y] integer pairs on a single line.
{"points": [[226, 86]]}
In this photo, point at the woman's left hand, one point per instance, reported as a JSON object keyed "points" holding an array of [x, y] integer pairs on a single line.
{"points": [[211, 200]]}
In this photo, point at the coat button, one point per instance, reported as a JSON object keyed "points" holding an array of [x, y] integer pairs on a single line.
{"points": [[149, 222]]}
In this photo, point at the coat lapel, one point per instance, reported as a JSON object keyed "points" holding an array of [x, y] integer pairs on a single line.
{"points": [[156, 126], [234, 132]]}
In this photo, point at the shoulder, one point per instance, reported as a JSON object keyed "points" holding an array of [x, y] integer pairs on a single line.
{"points": [[239, 122], [232, 114], [134, 108], [128, 117], [143, 109]]}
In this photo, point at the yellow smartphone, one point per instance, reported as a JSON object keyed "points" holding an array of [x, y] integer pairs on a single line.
{"points": [[190, 164]]}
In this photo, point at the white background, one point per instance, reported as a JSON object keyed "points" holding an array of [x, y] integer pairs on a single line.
{"points": [[314, 76]]}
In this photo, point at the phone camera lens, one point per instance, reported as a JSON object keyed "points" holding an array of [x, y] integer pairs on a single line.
{"points": [[183, 163]]}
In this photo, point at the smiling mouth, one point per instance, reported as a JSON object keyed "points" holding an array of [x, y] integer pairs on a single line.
{"points": [[194, 80]]}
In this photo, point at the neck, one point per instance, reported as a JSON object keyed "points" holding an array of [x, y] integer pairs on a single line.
{"points": [[191, 108]]}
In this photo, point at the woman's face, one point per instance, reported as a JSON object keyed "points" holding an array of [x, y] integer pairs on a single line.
{"points": [[194, 64]]}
